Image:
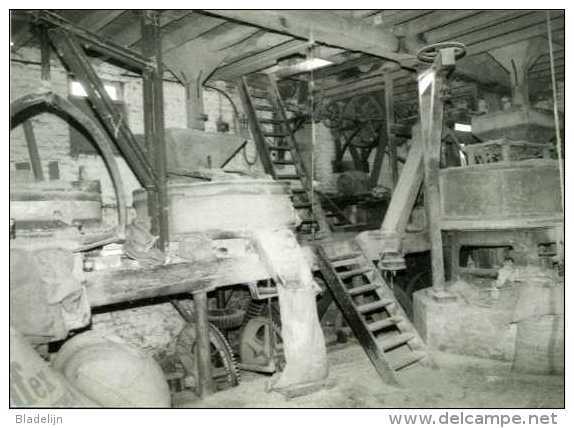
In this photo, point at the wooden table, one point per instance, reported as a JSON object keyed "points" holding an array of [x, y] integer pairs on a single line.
{"points": [[128, 285]]}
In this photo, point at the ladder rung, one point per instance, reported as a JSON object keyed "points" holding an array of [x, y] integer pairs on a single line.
{"points": [[288, 177], [394, 341], [275, 134], [379, 325], [373, 306], [262, 107], [410, 358], [278, 148], [354, 272], [308, 221], [347, 256], [346, 262], [302, 205], [259, 95], [362, 289], [271, 121]]}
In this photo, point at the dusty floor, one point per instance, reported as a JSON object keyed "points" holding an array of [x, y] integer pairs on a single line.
{"points": [[459, 382]]}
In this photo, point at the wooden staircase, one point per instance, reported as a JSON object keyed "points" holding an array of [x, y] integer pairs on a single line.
{"points": [[272, 131], [371, 310]]}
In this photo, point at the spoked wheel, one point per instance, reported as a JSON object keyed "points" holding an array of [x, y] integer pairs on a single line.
{"points": [[224, 368], [259, 350], [430, 52]]}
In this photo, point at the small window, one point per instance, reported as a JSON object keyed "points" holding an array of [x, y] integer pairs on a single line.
{"points": [[77, 90], [462, 127], [80, 143]]}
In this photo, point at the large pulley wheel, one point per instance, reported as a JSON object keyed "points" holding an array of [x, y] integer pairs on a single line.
{"points": [[261, 346], [367, 115], [224, 368], [430, 52]]}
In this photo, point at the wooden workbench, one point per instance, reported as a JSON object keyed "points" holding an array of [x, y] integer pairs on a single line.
{"points": [[132, 284]]}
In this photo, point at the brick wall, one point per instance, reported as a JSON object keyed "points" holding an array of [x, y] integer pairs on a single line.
{"points": [[52, 133]]}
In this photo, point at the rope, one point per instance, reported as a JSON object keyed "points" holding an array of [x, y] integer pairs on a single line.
{"points": [[556, 119], [311, 87]]}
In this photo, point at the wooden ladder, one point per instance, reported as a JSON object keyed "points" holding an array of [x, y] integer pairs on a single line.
{"points": [[371, 310], [277, 147]]}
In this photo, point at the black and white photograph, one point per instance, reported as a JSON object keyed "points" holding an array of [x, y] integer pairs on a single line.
{"points": [[287, 208]]}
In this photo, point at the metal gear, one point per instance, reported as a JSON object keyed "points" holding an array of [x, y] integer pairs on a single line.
{"points": [[259, 351], [225, 371]]}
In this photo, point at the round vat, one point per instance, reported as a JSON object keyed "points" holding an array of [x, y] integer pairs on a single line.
{"points": [[218, 206], [52, 201]]}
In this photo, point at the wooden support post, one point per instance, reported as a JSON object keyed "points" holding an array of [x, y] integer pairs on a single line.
{"points": [[194, 103], [44, 53], [154, 124], [256, 132], [454, 255], [115, 123], [407, 188], [390, 119], [33, 150], [430, 84], [205, 381]]}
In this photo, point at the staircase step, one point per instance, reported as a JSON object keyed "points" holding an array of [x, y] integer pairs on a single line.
{"points": [[354, 272], [388, 343], [259, 95], [362, 289], [407, 360], [278, 148], [379, 325], [283, 162], [288, 177], [302, 205], [373, 306], [342, 257], [308, 221], [358, 260], [275, 134], [270, 121], [261, 107]]}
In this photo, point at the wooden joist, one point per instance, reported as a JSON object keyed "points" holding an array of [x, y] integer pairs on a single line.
{"points": [[324, 28], [451, 31], [258, 61], [117, 286]]}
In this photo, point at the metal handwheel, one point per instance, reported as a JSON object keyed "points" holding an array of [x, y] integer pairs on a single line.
{"points": [[430, 52]]}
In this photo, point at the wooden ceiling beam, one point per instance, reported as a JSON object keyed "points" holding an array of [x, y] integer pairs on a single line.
{"points": [[545, 65], [324, 28], [432, 20], [513, 37], [451, 31], [258, 61], [98, 19], [506, 32], [389, 18], [188, 33]]}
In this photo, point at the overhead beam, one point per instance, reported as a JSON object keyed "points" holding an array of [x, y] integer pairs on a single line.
{"points": [[258, 61], [432, 20], [498, 35], [451, 31], [324, 28], [516, 36], [98, 19]]}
